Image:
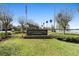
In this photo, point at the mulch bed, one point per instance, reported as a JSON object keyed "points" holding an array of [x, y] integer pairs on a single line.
{"points": [[5, 38]]}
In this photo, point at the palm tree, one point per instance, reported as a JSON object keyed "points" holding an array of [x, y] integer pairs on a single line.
{"points": [[43, 25], [50, 20], [46, 23], [52, 27]]}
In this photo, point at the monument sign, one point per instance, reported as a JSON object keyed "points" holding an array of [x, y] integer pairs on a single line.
{"points": [[37, 32]]}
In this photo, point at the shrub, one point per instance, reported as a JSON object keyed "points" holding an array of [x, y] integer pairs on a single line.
{"points": [[9, 33], [16, 32], [65, 37], [3, 35]]}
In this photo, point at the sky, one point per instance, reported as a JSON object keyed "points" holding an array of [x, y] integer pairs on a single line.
{"points": [[42, 12]]}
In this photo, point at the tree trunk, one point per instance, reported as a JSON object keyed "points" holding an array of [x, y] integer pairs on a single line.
{"points": [[6, 30], [22, 29], [64, 30]]}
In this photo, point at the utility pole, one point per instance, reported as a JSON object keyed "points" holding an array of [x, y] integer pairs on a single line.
{"points": [[54, 19], [26, 11], [26, 17]]}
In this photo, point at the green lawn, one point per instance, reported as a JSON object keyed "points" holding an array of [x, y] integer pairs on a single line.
{"points": [[38, 47]]}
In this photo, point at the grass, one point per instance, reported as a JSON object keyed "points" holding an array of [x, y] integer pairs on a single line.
{"points": [[37, 47]]}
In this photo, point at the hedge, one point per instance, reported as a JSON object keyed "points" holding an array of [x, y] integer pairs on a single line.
{"points": [[66, 37], [3, 35]]}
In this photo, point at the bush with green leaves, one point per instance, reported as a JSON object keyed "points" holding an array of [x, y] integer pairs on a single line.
{"points": [[66, 37], [3, 35], [16, 32]]}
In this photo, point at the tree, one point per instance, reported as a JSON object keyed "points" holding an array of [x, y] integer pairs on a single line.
{"points": [[22, 22], [6, 18], [16, 28], [46, 21], [46, 24], [63, 20], [43, 25], [53, 28], [50, 20], [32, 24]]}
